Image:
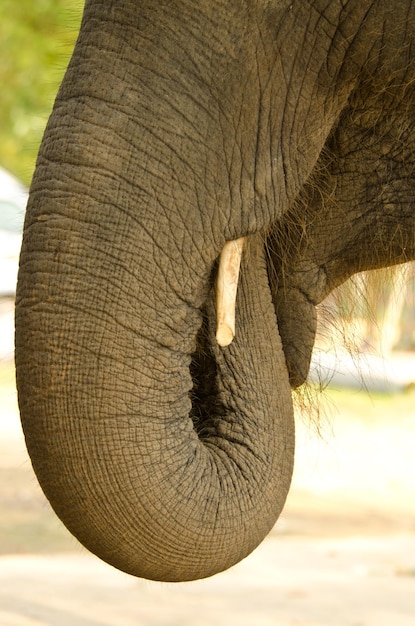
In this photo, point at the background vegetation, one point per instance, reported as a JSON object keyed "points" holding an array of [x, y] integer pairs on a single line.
{"points": [[37, 39]]}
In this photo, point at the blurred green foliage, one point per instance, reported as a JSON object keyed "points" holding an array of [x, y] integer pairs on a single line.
{"points": [[37, 38]]}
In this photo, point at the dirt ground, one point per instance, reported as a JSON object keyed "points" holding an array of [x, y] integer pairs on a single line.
{"points": [[342, 554]]}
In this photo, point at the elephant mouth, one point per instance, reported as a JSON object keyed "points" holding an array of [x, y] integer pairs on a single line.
{"points": [[216, 332], [302, 324]]}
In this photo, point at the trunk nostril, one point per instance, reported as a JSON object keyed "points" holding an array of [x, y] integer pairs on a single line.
{"points": [[203, 370]]}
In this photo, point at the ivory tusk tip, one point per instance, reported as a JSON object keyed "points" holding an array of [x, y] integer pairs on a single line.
{"points": [[226, 287], [224, 335]]}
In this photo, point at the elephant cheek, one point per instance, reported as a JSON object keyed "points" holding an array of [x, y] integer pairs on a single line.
{"points": [[297, 321]]}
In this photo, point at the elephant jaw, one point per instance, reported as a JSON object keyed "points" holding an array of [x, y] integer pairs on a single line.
{"points": [[295, 311], [226, 288]]}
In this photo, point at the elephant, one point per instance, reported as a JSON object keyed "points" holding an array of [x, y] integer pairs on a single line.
{"points": [[209, 173]]}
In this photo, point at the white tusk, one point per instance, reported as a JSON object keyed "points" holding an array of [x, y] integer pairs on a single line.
{"points": [[226, 288]]}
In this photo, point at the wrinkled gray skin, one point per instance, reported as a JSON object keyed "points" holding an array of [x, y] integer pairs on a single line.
{"points": [[181, 125]]}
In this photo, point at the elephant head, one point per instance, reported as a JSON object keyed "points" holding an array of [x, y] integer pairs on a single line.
{"points": [[181, 126]]}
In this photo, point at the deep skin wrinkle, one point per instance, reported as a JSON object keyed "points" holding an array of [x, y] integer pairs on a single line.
{"points": [[179, 127]]}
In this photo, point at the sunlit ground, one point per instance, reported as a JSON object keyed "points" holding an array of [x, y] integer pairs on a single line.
{"points": [[343, 552]]}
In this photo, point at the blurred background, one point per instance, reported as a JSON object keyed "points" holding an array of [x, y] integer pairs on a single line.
{"points": [[343, 551]]}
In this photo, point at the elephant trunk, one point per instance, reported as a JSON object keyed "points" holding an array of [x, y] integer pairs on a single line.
{"points": [[166, 455], [152, 486]]}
